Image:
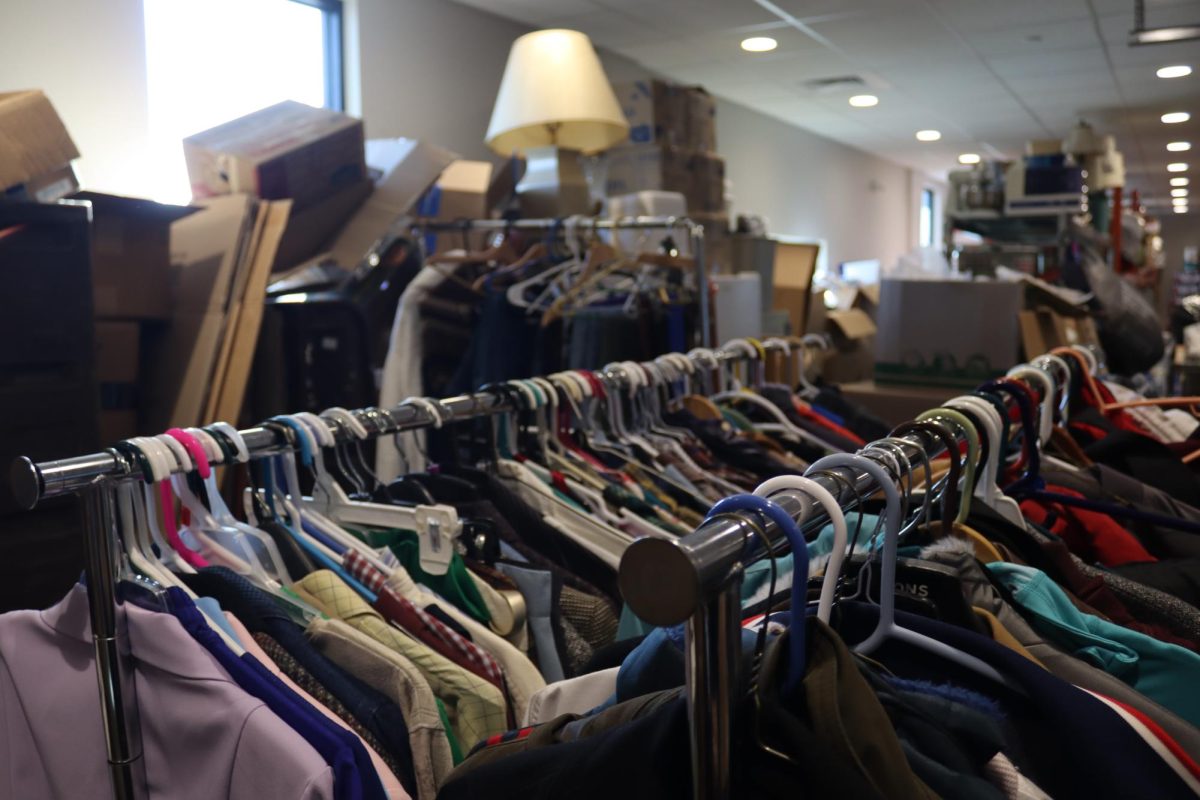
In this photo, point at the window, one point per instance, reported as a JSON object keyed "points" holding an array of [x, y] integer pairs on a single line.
{"points": [[928, 218], [210, 61]]}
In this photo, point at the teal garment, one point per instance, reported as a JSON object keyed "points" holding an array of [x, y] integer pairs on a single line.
{"points": [[758, 574], [1165, 673], [456, 585], [630, 625]]}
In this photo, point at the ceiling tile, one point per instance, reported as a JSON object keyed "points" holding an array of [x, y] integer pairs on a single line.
{"points": [[1033, 39], [1116, 27], [888, 37], [693, 17], [984, 15], [1049, 64]]}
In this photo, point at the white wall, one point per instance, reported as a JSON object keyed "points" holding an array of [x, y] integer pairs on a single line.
{"points": [[1178, 231], [89, 57]]}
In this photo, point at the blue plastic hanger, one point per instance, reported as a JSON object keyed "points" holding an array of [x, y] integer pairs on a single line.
{"points": [[797, 652]]}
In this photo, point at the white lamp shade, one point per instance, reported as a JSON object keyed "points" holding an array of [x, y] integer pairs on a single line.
{"points": [[555, 93]]}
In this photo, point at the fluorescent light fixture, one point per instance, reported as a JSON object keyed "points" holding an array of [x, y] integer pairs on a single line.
{"points": [[864, 100], [1179, 147], [1181, 209], [1176, 117], [1178, 166], [1179, 181], [1179, 193], [1179, 201], [928, 136], [969, 158], [1178, 71], [759, 44], [1173, 33]]}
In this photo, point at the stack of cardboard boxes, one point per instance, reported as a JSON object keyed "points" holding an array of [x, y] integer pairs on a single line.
{"points": [[672, 147]]}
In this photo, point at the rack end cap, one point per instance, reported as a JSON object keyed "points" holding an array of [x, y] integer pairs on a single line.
{"points": [[25, 482]]}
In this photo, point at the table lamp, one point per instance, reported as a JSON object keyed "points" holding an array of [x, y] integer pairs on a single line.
{"points": [[554, 104]]}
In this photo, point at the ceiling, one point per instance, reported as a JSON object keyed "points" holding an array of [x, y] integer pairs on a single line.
{"points": [[989, 74]]}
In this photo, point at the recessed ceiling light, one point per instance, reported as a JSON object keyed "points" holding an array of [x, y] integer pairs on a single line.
{"points": [[864, 100], [1179, 147], [1178, 166], [969, 158], [1179, 193], [1179, 181], [1175, 117], [928, 136], [759, 44], [1178, 71], [1181, 209]]}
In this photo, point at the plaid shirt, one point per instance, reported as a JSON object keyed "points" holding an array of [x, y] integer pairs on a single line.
{"points": [[422, 625]]}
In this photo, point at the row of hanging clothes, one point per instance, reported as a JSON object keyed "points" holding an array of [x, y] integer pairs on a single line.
{"points": [[459, 629], [540, 297]]}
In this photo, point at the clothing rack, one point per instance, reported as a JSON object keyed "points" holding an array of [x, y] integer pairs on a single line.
{"points": [[697, 585], [580, 224], [695, 580]]}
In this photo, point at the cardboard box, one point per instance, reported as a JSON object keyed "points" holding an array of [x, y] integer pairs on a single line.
{"points": [[131, 255], [288, 150], [407, 167], [853, 335], [790, 278], [669, 114], [1044, 329], [35, 149], [460, 192], [310, 230], [699, 177], [117, 374], [946, 333]]}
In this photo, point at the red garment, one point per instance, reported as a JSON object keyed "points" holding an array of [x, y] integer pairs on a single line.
{"points": [[421, 625], [805, 411], [1094, 537]]}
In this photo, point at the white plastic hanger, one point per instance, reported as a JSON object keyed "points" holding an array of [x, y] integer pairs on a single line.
{"points": [[161, 461], [987, 487], [1046, 384], [887, 627], [1061, 373], [808, 490], [437, 526]]}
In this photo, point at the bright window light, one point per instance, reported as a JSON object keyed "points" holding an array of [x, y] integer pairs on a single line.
{"points": [[1178, 71], [211, 61], [1175, 117], [1179, 181]]}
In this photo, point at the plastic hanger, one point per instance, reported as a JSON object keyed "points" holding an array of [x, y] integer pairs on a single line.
{"points": [[436, 526], [171, 459], [987, 487], [973, 447], [1061, 372], [887, 627], [949, 496], [1046, 387], [810, 490], [740, 504]]}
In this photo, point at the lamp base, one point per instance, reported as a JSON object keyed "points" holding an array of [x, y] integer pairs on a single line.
{"points": [[553, 185]]}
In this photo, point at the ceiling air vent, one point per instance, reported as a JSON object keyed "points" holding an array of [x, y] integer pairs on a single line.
{"points": [[836, 85]]}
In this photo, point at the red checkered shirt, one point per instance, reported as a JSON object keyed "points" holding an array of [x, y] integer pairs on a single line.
{"points": [[422, 625]]}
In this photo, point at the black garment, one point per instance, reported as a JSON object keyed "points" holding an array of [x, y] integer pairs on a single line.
{"points": [[1073, 745], [525, 526], [504, 345], [648, 757], [259, 613], [854, 417], [947, 743], [1149, 461], [741, 453], [781, 397], [297, 562]]}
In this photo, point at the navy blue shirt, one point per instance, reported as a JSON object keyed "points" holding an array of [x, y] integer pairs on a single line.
{"points": [[354, 777], [260, 614]]}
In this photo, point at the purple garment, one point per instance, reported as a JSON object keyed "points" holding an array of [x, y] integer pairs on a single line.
{"points": [[202, 735]]}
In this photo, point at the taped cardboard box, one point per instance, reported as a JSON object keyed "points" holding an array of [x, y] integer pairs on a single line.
{"points": [[288, 150], [1044, 329], [946, 332], [118, 348], [669, 114], [35, 160], [790, 276], [853, 335], [312, 229], [699, 177], [131, 255]]}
